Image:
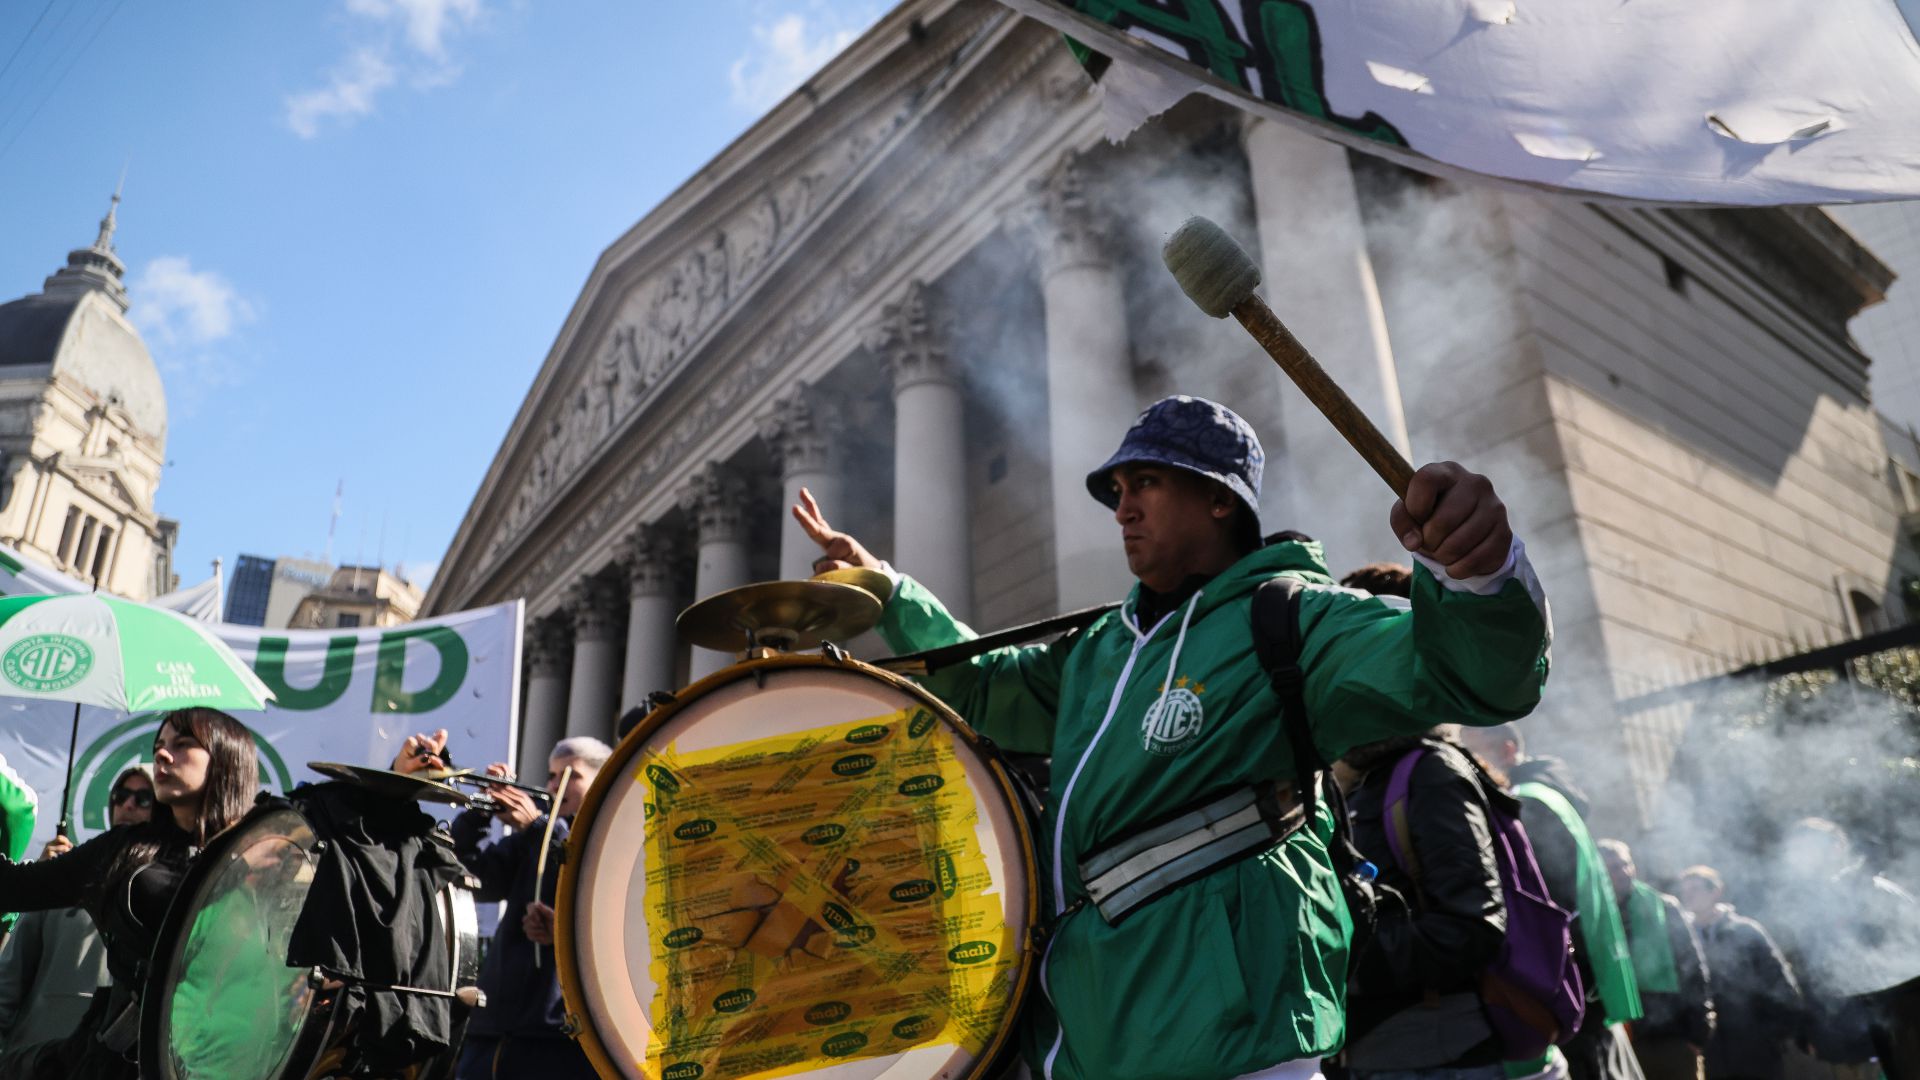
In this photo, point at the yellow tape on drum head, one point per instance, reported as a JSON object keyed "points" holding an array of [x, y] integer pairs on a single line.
{"points": [[803, 867]]}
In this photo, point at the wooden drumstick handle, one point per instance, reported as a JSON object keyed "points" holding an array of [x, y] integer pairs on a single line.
{"points": [[1326, 395], [1219, 278], [546, 844]]}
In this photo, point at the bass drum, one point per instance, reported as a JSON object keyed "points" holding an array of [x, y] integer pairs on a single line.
{"points": [[802, 866], [221, 1001]]}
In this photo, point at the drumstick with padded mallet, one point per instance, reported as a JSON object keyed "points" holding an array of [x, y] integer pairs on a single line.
{"points": [[1219, 277]]}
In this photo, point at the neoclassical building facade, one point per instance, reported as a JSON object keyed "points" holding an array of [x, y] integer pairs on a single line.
{"points": [[926, 288], [83, 429]]}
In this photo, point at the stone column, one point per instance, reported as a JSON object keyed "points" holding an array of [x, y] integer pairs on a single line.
{"points": [[594, 693], [545, 719], [650, 613], [1318, 276], [1090, 395], [716, 501], [802, 430], [931, 529]]}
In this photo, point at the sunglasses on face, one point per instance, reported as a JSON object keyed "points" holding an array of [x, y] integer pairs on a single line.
{"points": [[142, 798]]}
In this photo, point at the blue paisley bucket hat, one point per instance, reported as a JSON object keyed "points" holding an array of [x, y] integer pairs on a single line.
{"points": [[1194, 434]]}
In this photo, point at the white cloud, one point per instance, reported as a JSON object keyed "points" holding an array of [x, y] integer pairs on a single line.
{"points": [[425, 21], [785, 53], [177, 305], [191, 317], [348, 95], [399, 38]]}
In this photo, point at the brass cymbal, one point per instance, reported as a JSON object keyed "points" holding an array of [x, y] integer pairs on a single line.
{"points": [[421, 786], [875, 582], [782, 614]]}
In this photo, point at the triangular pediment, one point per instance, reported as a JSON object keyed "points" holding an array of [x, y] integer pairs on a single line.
{"points": [[106, 479], [694, 265]]}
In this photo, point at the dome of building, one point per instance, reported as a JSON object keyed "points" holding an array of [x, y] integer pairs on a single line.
{"points": [[77, 327]]}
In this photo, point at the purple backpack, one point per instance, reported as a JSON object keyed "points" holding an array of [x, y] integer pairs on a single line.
{"points": [[1532, 989]]}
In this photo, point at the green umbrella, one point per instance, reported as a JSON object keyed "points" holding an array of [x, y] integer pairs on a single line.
{"points": [[115, 654]]}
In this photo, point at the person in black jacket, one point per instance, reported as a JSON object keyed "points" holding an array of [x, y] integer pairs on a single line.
{"points": [[1599, 1050], [205, 774], [1671, 1038], [519, 1031], [1413, 1001], [1756, 997]]}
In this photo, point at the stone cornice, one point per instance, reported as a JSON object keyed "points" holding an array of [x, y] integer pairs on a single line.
{"points": [[1764, 262]]}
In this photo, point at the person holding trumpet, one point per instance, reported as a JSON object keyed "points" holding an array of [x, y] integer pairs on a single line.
{"points": [[520, 1030]]}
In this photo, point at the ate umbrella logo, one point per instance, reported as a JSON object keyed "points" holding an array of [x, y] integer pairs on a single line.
{"points": [[46, 663]]}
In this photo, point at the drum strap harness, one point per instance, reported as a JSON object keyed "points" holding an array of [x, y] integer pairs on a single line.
{"points": [[1138, 869]]}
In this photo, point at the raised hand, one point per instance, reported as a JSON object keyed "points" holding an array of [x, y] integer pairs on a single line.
{"points": [[422, 752], [838, 550], [1452, 516]]}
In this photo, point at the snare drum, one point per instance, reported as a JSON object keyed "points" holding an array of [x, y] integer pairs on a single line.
{"points": [[222, 1002], [803, 865]]}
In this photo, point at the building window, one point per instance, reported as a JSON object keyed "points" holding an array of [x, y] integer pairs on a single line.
{"points": [[348, 618], [67, 531], [84, 549], [1867, 613], [101, 550]]}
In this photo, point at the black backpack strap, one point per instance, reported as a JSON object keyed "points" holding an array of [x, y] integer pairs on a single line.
{"points": [[1277, 643]]}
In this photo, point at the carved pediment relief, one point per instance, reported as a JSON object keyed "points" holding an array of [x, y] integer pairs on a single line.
{"points": [[662, 318], [662, 321]]}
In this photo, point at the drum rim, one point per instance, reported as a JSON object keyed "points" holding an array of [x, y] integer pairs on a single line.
{"points": [[212, 858], [572, 990]]}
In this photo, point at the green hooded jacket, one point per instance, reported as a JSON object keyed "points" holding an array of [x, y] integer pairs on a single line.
{"points": [[1246, 967]]}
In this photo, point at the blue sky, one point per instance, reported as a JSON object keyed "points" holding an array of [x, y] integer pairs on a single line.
{"points": [[353, 227]]}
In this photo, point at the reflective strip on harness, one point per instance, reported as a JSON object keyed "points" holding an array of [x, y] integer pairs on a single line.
{"points": [[1146, 866]]}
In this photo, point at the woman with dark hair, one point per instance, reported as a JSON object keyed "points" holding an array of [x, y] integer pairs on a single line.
{"points": [[205, 776]]}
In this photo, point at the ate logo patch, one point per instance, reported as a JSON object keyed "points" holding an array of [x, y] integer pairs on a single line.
{"points": [[46, 663], [1174, 721]]}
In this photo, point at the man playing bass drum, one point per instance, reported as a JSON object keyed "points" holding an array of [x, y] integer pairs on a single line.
{"points": [[1160, 712]]}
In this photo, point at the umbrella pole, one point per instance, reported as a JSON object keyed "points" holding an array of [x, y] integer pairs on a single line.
{"points": [[65, 828]]}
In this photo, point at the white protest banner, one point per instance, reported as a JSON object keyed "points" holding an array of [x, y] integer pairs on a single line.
{"points": [[350, 695], [1670, 101]]}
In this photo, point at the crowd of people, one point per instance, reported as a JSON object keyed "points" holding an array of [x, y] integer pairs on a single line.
{"points": [[1405, 890], [1443, 912]]}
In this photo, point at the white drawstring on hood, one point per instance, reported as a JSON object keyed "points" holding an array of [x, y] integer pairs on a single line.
{"points": [[1178, 641]]}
